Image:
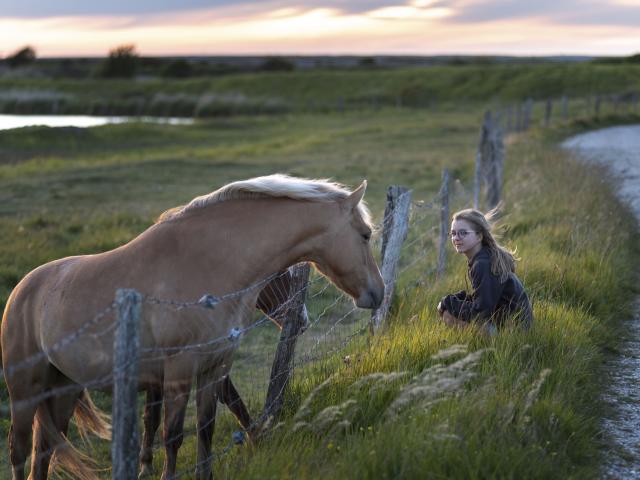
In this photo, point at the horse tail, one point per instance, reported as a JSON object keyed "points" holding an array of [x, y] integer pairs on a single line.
{"points": [[89, 418], [65, 457]]}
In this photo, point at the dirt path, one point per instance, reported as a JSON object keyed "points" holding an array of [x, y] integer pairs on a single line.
{"points": [[619, 148]]}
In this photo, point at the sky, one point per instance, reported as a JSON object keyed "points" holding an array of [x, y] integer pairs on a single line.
{"points": [[313, 27]]}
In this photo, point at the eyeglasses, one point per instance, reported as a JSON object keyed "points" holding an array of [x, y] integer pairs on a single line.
{"points": [[461, 233]]}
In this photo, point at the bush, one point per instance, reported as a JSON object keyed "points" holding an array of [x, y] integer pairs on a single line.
{"points": [[277, 64], [367, 62], [121, 63], [22, 57]]}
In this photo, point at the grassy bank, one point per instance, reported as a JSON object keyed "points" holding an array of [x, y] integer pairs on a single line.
{"points": [[316, 91], [67, 191], [513, 419]]}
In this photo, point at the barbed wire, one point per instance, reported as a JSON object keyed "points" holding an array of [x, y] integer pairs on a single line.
{"points": [[209, 302]]}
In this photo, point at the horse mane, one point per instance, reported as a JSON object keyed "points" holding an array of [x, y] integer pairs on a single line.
{"points": [[270, 186]]}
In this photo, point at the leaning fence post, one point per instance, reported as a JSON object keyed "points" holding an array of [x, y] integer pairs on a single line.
{"points": [[444, 223], [396, 226], [494, 166], [125, 444], [482, 157], [282, 367]]}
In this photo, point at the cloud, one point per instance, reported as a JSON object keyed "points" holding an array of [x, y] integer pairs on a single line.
{"points": [[561, 12], [140, 12], [67, 8]]}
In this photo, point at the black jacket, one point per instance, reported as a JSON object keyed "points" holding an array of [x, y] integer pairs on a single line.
{"points": [[490, 300]]}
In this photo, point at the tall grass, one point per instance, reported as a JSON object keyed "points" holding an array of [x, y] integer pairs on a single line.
{"points": [[530, 409], [526, 408]]}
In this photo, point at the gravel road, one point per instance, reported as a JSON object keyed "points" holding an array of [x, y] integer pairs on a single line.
{"points": [[619, 149]]}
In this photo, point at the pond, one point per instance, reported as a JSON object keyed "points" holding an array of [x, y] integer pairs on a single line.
{"points": [[84, 121]]}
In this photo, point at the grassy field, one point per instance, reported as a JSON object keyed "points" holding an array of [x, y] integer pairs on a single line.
{"points": [[68, 191], [317, 90]]}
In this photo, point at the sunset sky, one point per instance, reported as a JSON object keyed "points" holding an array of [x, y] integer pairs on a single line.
{"points": [[224, 27]]}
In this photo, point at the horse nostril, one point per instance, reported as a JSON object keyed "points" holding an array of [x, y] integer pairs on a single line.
{"points": [[376, 299]]}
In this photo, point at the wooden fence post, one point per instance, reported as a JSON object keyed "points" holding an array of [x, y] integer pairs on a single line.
{"points": [[528, 111], [489, 163], [565, 109], [547, 112], [282, 367], [444, 223], [125, 446], [395, 231], [481, 157], [494, 166], [509, 120]]}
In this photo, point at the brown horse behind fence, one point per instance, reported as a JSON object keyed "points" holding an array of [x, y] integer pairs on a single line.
{"points": [[224, 243], [274, 301]]}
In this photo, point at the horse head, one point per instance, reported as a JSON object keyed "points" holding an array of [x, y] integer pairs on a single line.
{"points": [[345, 255]]}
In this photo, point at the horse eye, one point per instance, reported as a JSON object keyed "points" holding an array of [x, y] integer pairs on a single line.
{"points": [[366, 236]]}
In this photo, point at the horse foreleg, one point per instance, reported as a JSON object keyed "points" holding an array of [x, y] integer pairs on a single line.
{"points": [[228, 395], [206, 403], [152, 412], [176, 397]]}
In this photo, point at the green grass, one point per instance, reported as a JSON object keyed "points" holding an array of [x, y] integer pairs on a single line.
{"points": [[67, 192], [317, 90]]}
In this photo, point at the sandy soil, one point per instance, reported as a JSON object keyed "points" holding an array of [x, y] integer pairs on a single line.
{"points": [[619, 149]]}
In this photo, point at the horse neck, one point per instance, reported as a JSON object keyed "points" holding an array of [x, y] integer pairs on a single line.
{"points": [[257, 237]]}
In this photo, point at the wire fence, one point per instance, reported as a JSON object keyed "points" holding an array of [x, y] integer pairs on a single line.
{"points": [[330, 324], [413, 239]]}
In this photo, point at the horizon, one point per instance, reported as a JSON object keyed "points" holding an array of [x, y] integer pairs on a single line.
{"points": [[330, 55]]}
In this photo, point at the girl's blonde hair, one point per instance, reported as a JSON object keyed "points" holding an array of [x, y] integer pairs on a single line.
{"points": [[503, 261]]}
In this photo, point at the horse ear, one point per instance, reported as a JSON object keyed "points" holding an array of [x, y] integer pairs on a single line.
{"points": [[356, 196]]}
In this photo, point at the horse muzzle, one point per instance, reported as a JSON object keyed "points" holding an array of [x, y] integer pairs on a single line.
{"points": [[371, 298]]}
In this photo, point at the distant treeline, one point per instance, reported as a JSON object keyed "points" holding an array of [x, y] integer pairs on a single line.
{"points": [[124, 62], [631, 59]]}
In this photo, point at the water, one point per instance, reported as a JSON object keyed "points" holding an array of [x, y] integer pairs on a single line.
{"points": [[83, 121], [619, 148]]}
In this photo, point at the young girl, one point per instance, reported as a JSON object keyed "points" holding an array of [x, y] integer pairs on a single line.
{"points": [[497, 292]]}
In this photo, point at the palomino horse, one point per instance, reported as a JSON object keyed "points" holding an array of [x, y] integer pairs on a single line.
{"points": [[225, 243], [274, 301]]}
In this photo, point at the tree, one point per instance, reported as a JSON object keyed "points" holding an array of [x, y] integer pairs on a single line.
{"points": [[277, 64], [367, 62], [22, 57], [121, 63]]}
